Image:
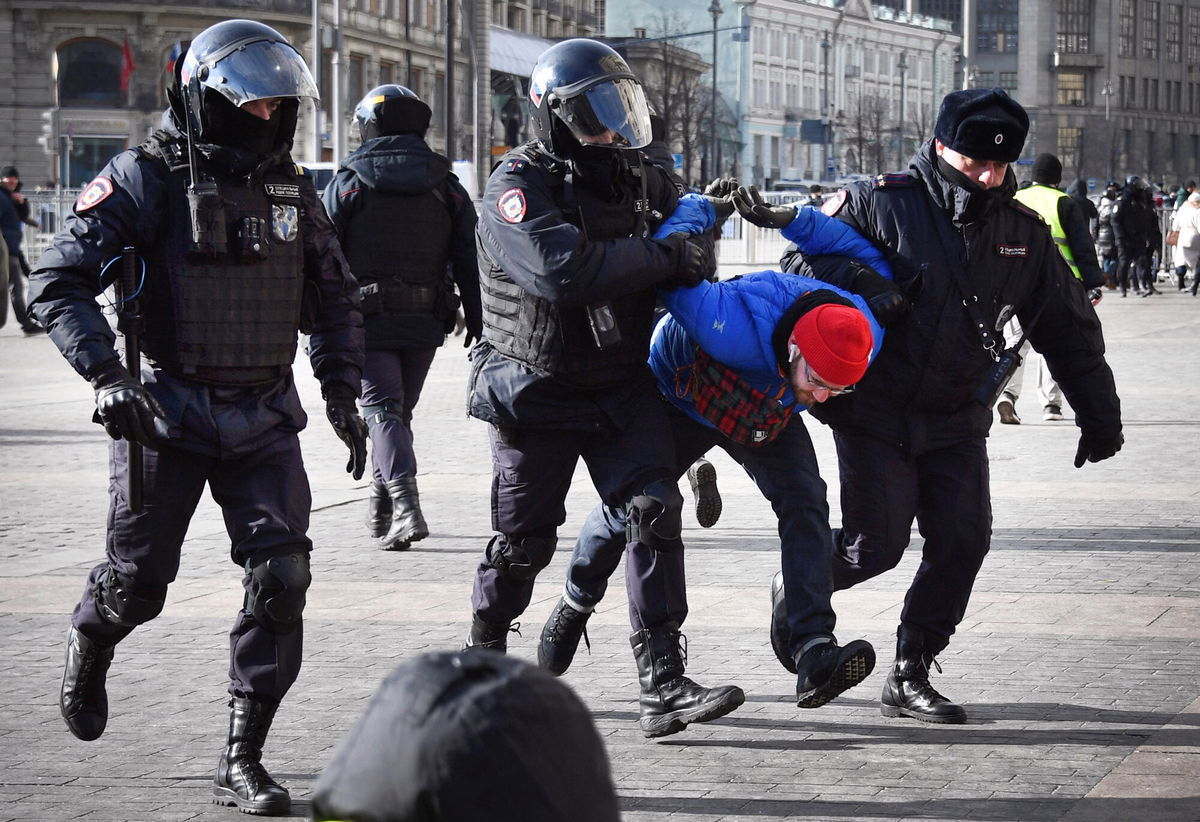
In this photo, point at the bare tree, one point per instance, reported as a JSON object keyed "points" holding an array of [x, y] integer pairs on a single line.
{"points": [[867, 132]]}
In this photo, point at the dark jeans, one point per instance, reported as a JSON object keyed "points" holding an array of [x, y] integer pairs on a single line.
{"points": [[17, 275], [946, 491], [531, 475], [395, 378], [265, 499], [785, 470]]}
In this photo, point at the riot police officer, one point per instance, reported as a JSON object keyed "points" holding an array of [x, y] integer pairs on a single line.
{"points": [[237, 255], [567, 276], [401, 215]]}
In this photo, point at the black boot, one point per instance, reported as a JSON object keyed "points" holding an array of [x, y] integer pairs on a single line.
{"points": [[241, 779], [490, 636], [379, 510], [907, 691], [560, 637], [780, 635], [703, 479], [83, 699], [827, 669], [670, 701], [408, 526]]}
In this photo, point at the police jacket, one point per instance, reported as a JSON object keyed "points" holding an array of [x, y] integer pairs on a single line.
{"points": [[10, 222], [743, 323], [199, 333], [563, 245], [950, 243], [1134, 223], [401, 216]]}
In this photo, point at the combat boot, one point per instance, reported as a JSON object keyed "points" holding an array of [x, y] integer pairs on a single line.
{"points": [[490, 636], [780, 635], [670, 701], [560, 637], [83, 699], [408, 525], [907, 691], [703, 479], [241, 779], [379, 510], [827, 669]]}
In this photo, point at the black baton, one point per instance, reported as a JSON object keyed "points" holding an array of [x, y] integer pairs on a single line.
{"points": [[129, 323]]}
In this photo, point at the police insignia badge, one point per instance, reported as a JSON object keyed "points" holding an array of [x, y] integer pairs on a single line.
{"points": [[834, 204], [96, 192], [284, 221], [512, 205]]}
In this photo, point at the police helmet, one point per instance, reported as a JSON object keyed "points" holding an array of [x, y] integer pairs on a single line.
{"points": [[1134, 183], [391, 109], [583, 93], [236, 62]]}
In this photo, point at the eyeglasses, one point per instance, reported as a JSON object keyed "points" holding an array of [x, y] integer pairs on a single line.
{"points": [[816, 382]]}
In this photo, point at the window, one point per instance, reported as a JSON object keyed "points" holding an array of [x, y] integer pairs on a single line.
{"points": [[1128, 92], [1069, 141], [86, 157], [1150, 29], [356, 80], [1174, 33], [1072, 89], [985, 79], [1193, 36], [758, 42], [1008, 82], [793, 45], [387, 72], [758, 92], [996, 22], [1074, 26], [1125, 30], [89, 74]]}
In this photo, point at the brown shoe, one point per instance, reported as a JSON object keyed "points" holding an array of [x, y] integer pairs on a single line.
{"points": [[1008, 414]]}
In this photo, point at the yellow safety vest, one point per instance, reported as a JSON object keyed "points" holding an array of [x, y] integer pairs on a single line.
{"points": [[1044, 200]]}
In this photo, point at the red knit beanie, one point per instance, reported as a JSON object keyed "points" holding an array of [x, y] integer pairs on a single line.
{"points": [[835, 340]]}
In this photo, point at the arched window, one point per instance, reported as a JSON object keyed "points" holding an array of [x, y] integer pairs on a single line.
{"points": [[89, 74]]}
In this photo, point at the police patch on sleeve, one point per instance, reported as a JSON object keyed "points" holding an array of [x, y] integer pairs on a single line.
{"points": [[96, 192], [834, 204], [512, 205]]}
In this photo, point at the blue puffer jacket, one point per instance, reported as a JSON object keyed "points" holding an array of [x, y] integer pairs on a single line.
{"points": [[736, 322]]}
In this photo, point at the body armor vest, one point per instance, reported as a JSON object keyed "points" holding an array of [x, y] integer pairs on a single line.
{"points": [[229, 318], [559, 340], [416, 281]]}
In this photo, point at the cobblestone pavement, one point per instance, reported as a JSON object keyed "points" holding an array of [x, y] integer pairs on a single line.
{"points": [[1079, 660]]}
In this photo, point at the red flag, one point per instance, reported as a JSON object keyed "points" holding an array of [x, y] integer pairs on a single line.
{"points": [[127, 65]]}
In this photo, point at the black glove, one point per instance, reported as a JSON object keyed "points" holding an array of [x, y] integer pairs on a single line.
{"points": [[349, 425], [885, 300], [125, 408], [693, 259], [719, 192], [754, 209], [1096, 447]]}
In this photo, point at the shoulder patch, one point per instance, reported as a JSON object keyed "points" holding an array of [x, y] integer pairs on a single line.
{"points": [[96, 192], [834, 204], [1026, 210], [894, 180], [511, 205], [516, 165]]}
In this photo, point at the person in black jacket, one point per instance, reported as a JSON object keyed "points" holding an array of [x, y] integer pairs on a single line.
{"points": [[401, 216], [567, 274], [236, 255], [1136, 234], [10, 189], [911, 440]]}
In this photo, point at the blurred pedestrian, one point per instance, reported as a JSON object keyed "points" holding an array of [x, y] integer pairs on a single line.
{"points": [[1136, 235], [1186, 225], [407, 227], [236, 256], [14, 214]]}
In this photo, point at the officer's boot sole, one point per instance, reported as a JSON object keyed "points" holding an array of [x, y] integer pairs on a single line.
{"points": [[851, 671], [708, 497], [731, 698], [899, 711], [263, 807]]}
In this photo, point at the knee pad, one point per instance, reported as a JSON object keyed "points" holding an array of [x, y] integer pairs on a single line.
{"points": [[379, 412], [521, 558], [275, 592], [655, 517], [123, 602]]}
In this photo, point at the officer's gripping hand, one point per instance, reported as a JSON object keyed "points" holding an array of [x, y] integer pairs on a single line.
{"points": [[754, 209], [693, 259], [349, 426], [1096, 447], [125, 408], [883, 297], [719, 194]]}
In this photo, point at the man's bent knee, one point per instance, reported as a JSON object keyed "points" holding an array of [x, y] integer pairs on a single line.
{"points": [[655, 517], [276, 592], [520, 558], [124, 602]]}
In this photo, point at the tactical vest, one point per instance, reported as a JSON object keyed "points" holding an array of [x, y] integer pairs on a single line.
{"points": [[1044, 200], [228, 318], [559, 340], [415, 281]]}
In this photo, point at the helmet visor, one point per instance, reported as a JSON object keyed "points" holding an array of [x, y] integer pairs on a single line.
{"points": [[260, 70], [613, 114]]}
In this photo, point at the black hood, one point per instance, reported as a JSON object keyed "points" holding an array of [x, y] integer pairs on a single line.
{"points": [[399, 164], [1077, 189], [964, 201]]}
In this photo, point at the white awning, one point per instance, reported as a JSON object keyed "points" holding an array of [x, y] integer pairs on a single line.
{"points": [[514, 52]]}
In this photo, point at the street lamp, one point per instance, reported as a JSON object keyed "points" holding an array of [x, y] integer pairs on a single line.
{"points": [[1107, 91], [828, 125], [713, 153], [903, 67]]}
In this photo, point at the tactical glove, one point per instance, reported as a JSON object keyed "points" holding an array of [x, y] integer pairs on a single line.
{"points": [[349, 425], [693, 259], [124, 406], [719, 193], [754, 209], [1096, 447], [884, 299]]}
